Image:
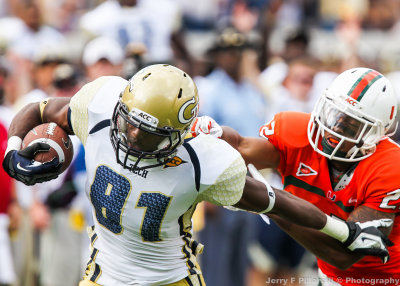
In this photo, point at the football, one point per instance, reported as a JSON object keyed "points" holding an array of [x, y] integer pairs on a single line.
{"points": [[57, 138]]}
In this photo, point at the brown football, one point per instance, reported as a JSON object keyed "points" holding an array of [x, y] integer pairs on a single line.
{"points": [[57, 138]]}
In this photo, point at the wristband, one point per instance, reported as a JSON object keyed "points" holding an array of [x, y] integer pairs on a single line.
{"points": [[336, 228], [271, 194], [13, 143]]}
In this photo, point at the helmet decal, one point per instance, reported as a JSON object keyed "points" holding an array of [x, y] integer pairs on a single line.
{"points": [[392, 112], [362, 85], [144, 116], [181, 113]]}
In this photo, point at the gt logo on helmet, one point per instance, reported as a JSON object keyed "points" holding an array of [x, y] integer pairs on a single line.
{"points": [[182, 110]]}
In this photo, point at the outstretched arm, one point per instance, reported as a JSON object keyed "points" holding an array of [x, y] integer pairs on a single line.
{"points": [[293, 209], [308, 224], [327, 248]]}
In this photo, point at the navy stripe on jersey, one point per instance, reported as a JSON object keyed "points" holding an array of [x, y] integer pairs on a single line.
{"points": [[93, 238], [188, 281], [195, 162], [69, 119], [188, 255], [96, 274], [90, 273], [194, 280], [95, 251], [102, 124], [199, 277]]}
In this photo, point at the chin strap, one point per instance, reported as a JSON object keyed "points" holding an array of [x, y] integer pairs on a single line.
{"points": [[394, 131], [328, 149]]}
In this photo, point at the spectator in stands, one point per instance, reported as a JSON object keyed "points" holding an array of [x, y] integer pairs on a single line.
{"points": [[102, 56], [230, 100]]}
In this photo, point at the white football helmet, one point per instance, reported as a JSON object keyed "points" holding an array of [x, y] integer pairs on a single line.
{"points": [[153, 115], [358, 107]]}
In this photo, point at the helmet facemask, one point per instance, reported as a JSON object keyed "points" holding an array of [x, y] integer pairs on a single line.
{"points": [[333, 126], [152, 117], [353, 115], [156, 145]]}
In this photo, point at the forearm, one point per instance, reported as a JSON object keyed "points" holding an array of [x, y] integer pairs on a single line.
{"points": [[303, 213], [29, 116], [321, 245], [257, 151], [298, 211], [256, 198], [231, 136]]}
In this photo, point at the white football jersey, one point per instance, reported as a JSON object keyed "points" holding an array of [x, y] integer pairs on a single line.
{"points": [[142, 219]]}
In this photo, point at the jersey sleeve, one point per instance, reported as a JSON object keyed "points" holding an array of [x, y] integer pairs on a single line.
{"points": [[272, 132], [385, 200], [83, 106], [223, 171], [382, 183], [79, 104], [287, 131]]}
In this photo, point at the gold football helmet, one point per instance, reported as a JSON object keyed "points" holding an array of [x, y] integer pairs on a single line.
{"points": [[153, 115]]}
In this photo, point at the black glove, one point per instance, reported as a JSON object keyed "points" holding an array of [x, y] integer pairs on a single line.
{"points": [[367, 239], [21, 166]]}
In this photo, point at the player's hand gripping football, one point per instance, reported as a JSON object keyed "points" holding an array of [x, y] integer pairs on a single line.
{"points": [[367, 239], [206, 125], [21, 165]]}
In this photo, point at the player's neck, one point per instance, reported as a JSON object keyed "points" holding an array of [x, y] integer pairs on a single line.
{"points": [[340, 166], [338, 171]]}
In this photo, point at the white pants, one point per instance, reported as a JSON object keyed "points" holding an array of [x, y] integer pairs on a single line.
{"points": [[7, 273]]}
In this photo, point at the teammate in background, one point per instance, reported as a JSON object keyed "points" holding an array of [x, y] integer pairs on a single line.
{"points": [[144, 180], [340, 159]]}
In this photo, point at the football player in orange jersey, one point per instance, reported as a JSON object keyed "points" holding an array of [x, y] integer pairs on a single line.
{"points": [[340, 159]]}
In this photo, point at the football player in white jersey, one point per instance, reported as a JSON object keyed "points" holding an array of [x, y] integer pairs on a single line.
{"points": [[144, 179]]}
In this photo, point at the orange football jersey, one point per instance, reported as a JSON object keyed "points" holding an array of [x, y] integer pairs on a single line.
{"points": [[375, 183]]}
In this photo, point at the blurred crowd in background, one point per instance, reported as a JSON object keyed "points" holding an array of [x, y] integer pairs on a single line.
{"points": [[250, 60]]}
